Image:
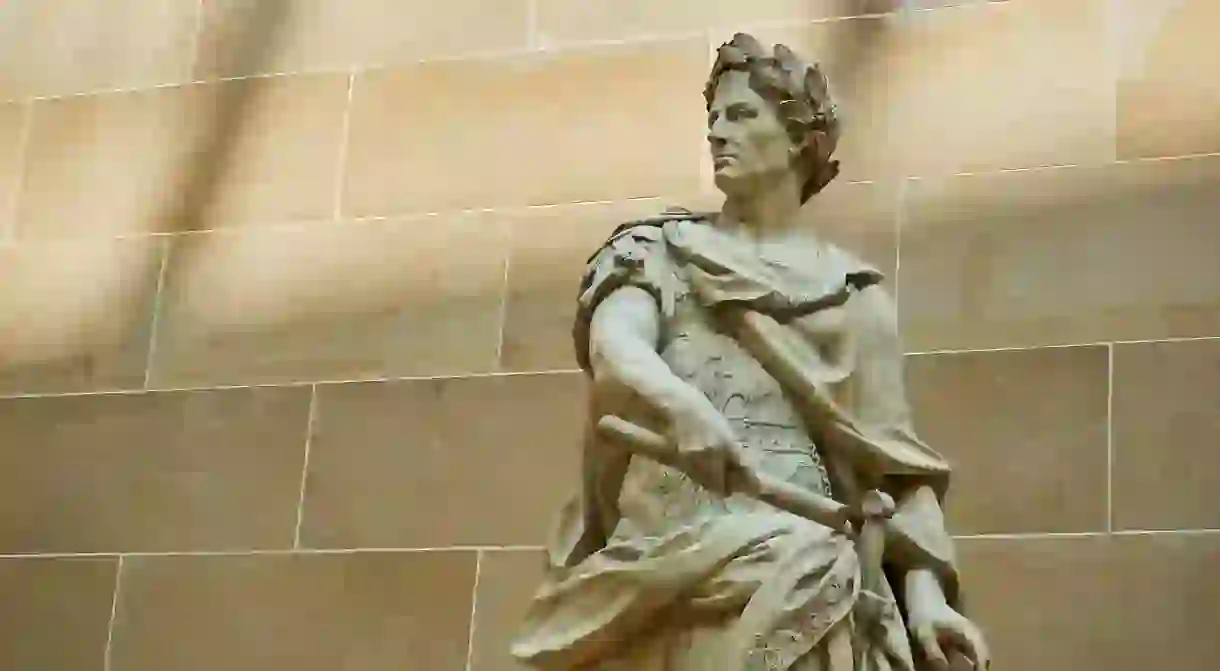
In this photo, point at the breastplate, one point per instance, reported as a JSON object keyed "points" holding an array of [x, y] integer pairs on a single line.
{"points": [[772, 434]]}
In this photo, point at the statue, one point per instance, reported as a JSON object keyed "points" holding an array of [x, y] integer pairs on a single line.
{"points": [[754, 496]]}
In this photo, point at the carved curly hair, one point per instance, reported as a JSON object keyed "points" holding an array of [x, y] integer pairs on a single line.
{"points": [[800, 95]]}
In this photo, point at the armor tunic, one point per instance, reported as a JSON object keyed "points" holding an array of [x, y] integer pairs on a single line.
{"points": [[798, 353]]}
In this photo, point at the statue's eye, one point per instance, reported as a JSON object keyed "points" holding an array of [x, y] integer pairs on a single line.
{"points": [[741, 111]]}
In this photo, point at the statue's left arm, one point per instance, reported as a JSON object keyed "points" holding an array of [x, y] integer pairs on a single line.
{"points": [[921, 558], [879, 402]]}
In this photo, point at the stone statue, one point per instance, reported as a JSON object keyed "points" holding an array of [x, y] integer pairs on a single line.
{"points": [[754, 496]]}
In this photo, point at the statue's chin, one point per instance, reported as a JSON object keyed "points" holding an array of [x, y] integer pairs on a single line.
{"points": [[735, 183], [730, 184]]}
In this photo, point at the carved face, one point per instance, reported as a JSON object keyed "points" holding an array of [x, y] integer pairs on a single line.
{"points": [[748, 142]]}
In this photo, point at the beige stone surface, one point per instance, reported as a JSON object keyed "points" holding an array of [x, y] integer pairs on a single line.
{"points": [[619, 122], [1026, 432], [63, 47], [323, 34], [1168, 95], [1165, 419], [190, 157], [13, 120], [56, 612], [290, 289], [371, 610], [1095, 602], [993, 86], [1065, 256], [383, 454], [565, 22], [507, 580], [215, 470], [76, 316], [335, 301]]}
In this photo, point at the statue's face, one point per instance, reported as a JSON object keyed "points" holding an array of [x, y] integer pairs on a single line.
{"points": [[748, 143]]}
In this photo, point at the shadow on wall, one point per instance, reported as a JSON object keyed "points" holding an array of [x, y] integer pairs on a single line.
{"points": [[323, 280], [75, 312]]}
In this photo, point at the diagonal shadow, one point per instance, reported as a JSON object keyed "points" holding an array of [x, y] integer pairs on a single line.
{"points": [[255, 34]]}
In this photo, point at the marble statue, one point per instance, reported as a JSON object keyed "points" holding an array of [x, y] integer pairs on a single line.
{"points": [[754, 496]]}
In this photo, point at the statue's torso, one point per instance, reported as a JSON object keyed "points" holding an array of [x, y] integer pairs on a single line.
{"points": [[773, 437]]}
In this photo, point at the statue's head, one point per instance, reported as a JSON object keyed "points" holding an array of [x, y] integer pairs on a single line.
{"points": [[770, 116]]}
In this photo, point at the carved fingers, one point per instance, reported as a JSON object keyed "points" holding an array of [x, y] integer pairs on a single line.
{"points": [[946, 635]]}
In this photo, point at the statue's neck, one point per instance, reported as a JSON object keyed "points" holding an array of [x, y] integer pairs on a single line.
{"points": [[765, 215]]}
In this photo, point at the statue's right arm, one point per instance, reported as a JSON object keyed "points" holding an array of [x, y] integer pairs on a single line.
{"points": [[623, 341], [624, 336]]}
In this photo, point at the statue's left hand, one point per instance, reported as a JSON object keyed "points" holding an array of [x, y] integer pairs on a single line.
{"points": [[939, 631]]}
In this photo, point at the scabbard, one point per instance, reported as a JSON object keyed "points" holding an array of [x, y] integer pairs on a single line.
{"points": [[876, 507]]}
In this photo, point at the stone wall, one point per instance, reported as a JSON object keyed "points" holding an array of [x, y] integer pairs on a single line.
{"points": [[285, 291]]}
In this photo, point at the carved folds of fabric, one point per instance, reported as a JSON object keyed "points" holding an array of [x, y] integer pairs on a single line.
{"points": [[597, 591], [633, 256]]}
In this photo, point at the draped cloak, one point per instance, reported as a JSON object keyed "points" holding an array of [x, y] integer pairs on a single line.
{"points": [[663, 576]]}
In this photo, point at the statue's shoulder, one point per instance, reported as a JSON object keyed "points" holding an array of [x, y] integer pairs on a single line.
{"points": [[639, 247], [635, 254], [650, 231], [872, 307], [857, 273]]}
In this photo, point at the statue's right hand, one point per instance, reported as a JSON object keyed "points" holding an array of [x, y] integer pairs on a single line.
{"points": [[708, 449]]}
